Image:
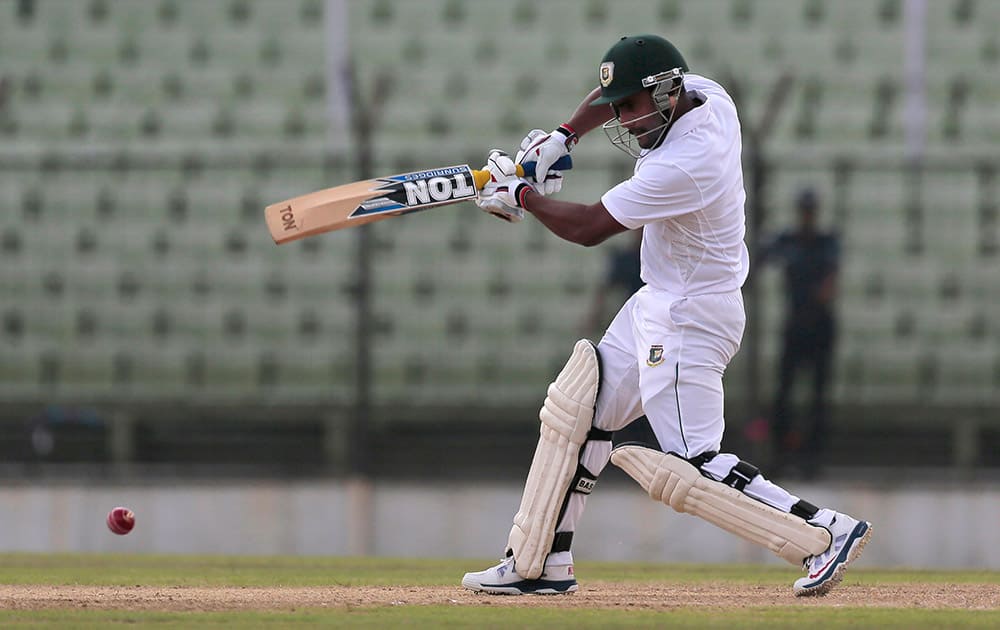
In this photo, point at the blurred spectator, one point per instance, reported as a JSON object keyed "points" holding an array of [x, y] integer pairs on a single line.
{"points": [[25, 10], [4, 92], [811, 259], [622, 276]]}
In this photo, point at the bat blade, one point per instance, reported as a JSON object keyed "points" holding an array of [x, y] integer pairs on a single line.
{"points": [[372, 200], [368, 201]]}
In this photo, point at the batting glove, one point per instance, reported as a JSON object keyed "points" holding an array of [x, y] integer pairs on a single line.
{"points": [[544, 149], [503, 195]]}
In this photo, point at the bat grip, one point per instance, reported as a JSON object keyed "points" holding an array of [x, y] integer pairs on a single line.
{"points": [[526, 169]]}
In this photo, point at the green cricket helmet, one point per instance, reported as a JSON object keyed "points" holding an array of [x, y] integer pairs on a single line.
{"points": [[634, 63]]}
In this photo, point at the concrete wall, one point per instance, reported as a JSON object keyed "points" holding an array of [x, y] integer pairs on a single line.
{"points": [[943, 527]]}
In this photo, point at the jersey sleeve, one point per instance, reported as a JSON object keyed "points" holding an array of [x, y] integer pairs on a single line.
{"points": [[655, 192]]}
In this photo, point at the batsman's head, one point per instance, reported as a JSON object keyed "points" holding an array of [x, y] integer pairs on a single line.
{"points": [[641, 77]]}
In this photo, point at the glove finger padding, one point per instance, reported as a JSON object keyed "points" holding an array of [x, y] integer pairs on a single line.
{"points": [[553, 181], [551, 185], [500, 166], [501, 195], [545, 149], [526, 143]]}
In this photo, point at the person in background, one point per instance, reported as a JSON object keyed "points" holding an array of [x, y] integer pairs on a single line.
{"points": [[811, 258], [622, 277]]}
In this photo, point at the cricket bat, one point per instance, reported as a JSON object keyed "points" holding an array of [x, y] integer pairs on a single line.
{"points": [[376, 199]]}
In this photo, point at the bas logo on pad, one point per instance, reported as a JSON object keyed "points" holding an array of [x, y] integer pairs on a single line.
{"points": [[607, 73], [655, 356]]}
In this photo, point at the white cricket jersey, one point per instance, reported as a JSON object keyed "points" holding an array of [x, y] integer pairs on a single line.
{"points": [[688, 196]]}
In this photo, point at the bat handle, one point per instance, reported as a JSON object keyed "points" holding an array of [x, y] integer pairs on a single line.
{"points": [[527, 169]]}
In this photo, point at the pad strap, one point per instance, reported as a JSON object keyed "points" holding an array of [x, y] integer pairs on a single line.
{"points": [[804, 509], [700, 460], [584, 480], [741, 474], [562, 542]]}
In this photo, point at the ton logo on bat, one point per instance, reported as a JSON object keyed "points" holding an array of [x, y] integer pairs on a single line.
{"points": [[438, 188], [288, 219]]}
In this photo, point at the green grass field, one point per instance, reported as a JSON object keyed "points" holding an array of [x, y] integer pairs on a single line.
{"points": [[90, 591]]}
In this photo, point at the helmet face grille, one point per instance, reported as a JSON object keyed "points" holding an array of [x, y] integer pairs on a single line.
{"points": [[624, 140], [664, 85]]}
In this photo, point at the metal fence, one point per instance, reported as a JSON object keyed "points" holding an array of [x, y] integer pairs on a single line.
{"points": [[148, 319]]}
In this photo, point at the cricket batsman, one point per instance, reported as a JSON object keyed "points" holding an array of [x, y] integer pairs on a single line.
{"points": [[665, 352]]}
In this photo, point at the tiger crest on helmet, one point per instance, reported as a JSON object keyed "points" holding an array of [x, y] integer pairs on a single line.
{"points": [[607, 73]]}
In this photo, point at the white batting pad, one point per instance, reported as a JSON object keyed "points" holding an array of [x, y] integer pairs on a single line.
{"points": [[675, 482], [566, 418]]}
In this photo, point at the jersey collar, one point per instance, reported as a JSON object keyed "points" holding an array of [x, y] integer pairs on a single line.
{"points": [[690, 120]]}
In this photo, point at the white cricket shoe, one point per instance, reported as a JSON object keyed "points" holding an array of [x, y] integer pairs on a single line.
{"points": [[504, 580], [848, 537]]}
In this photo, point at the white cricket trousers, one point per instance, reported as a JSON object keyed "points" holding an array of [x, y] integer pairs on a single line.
{"points": [[664, 356]]}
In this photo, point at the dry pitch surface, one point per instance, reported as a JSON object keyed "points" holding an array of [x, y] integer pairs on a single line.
{"points": [[603, 595]]}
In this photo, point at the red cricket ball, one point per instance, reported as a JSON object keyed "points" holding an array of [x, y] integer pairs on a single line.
{"points": [[121, 520]]}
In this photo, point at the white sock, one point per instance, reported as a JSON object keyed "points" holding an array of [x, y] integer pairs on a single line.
{"points": [[560, 558], [823, 518]]}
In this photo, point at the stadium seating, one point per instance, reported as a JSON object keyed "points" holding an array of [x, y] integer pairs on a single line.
{"points": [[139, 142]]}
